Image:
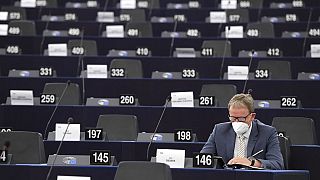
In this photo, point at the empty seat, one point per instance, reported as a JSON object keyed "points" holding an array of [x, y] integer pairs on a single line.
{"points": [[133, 68], [90, 46], [26, 28], [300, 130], [71, 96], [277, 69], [285, 143], [25, 147], [142, 170], [221, 48], [119, 127], [222, 92], [136, 15], [139, 29], [260, 30]]}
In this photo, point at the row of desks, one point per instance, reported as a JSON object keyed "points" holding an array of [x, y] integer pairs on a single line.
{"points": [[146, 89], [200, 120], [302, 158], [207, 67], [291, 47]]}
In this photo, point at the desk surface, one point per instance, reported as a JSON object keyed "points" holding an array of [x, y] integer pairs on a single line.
{"points": [[37, 172]]}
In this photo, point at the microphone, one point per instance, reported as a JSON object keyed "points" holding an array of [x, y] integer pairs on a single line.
{"points": [[224, 51], [151, 9], [173, 37], [40, 11], [43, 36], [70, 120], [55, 108], [245, 82], [104, 9], [80, 56], [305, 38], [168, 99], [81, 63]]}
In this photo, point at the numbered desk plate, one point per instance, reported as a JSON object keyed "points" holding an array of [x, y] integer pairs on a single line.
{"points": [[118, 72], [183, 135], [46, 71], [100, 157], [207, 101], [289, 102], [127, 100], [142, 51], [94, 134], [48, 99], [203, 160], [261, 74], [189, 73]]}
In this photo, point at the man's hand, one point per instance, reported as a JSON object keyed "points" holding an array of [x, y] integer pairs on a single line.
{"points": [[238, 160]]}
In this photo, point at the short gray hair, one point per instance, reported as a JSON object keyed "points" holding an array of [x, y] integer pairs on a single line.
{"points": [[240, 100]]}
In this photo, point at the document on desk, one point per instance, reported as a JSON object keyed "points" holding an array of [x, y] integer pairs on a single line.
{"points": [[172, 157]]}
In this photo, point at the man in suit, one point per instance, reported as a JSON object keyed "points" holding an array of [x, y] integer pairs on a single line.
{"points": [[243, 136]]}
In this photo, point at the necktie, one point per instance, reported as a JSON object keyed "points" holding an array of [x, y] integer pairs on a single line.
{"points": [[242, 147]]}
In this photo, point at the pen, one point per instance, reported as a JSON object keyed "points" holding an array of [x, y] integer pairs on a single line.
{"points": [[255, 154]]}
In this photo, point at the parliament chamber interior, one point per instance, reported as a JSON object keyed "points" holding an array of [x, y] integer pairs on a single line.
{"points": [[132, 89]]}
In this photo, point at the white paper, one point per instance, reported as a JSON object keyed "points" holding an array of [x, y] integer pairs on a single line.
{"points": [[105, 17], [315, 50], [173, 157], [238, 72], [218, 17], [115, 31], [73, 178], [21, 97], [28, 3], [4, 29], [228, 4], [3, 15], [97, 71], [182, 99], [128, 4], [234, 31], [73, 133], [57, 50]]}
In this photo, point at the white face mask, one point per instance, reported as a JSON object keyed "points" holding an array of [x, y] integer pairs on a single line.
{"points": [[240, 127]]}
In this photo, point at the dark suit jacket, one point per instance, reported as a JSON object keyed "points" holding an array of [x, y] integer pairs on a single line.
{"points": [[222, 139]]}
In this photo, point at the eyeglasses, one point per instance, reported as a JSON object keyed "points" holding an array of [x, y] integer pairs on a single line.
{"points": [[238, 119]]}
